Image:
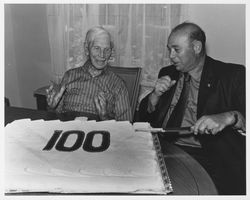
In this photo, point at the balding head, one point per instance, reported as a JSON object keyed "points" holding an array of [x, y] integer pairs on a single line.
{"points": [[193, 32]]}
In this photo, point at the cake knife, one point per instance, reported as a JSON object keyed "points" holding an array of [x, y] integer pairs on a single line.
{"points": [[168, 131]]}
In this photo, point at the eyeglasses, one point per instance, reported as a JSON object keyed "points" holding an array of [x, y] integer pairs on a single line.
{"points": [[96, 50]]}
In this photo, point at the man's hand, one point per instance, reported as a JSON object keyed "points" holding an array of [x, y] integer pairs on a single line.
{"points": [[101, 104], [54, 94], [163, 84], [212, 124]]}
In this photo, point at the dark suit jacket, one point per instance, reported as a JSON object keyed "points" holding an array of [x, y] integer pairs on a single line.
{"points": [[222, 88]]}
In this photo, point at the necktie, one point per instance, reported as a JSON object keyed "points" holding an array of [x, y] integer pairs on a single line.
{"points": [[177, 114]]}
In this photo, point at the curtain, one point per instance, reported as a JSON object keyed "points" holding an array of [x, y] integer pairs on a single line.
{"points": [[139, 31]]}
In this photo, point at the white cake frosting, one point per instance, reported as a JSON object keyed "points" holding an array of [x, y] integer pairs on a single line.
{"points": [[35, 162]]}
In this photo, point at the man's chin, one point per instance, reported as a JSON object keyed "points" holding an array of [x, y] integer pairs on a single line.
{"points": [[177, 67], [99, 66]]}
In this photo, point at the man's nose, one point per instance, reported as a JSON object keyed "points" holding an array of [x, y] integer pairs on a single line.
{"points": [[172, 54], [102, 53]]}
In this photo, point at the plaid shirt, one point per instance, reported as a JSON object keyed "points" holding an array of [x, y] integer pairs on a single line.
{"points": [[82, 87]]}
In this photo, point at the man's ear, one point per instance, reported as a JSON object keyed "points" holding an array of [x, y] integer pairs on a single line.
{"points": [[86, 48], [197, 45]]}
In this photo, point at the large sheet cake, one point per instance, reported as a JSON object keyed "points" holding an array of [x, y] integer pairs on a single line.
{"points": [[81, 157]]}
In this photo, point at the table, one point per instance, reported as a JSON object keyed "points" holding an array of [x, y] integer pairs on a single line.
{"points": [[187, 176]]}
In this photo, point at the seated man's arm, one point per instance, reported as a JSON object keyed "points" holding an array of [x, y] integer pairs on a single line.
{"points": [[55, 94], [212, 124], [122, 106], [240, 99], [101, 106], [149, 103], [240, 122], [121, 110], [162, 85]]}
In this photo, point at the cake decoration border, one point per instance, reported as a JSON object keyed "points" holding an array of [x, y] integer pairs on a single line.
{"points": [[163, 169]]}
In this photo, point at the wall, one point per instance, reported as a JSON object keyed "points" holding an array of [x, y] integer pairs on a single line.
{"points": [[11, 76], [27, 53], [224, 26]]}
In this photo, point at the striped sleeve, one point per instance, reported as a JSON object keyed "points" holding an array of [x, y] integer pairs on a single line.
{"points": [[122, 105], [65, 79]]}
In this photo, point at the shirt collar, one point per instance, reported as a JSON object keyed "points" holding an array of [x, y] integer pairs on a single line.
{"points": [[93, 72], [196, 72]]}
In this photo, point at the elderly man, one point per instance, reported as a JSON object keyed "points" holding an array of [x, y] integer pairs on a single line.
{"points": [[93, 88], [208, 96]]}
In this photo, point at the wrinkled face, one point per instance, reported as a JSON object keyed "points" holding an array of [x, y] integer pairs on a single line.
{"points": [[100, 50], [181, 52]]}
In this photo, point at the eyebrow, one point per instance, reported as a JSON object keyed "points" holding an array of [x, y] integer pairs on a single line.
{"points": [[173, 46]]}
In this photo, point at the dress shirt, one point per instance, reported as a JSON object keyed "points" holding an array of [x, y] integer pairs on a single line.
{"points": [[190, 112], [84, 83]]}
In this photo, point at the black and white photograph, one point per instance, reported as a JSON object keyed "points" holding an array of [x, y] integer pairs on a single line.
{"points": [[124, 100]]}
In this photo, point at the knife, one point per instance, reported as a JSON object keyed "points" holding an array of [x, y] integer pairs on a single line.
{"points": [[169, 131]]}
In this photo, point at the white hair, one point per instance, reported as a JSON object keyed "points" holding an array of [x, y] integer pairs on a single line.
{"points": [[90, 36]]}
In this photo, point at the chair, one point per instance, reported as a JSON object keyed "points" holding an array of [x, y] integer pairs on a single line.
{"points": [[40, 95], [6, 102], [130, 75]]}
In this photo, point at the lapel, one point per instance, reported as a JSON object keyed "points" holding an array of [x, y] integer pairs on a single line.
{"points": [[208, 85]]}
